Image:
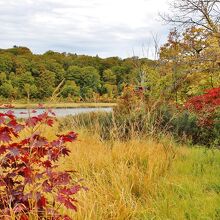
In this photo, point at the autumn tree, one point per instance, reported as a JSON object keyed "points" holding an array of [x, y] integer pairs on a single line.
{"points": [[202, 13], [190, 60]]}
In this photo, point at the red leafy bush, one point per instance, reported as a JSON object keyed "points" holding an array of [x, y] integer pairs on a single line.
{"points": [[205, 106], [29, 179]]}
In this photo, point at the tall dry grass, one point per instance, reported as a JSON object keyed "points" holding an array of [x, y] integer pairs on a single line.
{"points": [[142, 179], [122, 177]]}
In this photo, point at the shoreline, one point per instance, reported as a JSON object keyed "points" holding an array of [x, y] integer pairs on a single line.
{"points": [[59, 105]]}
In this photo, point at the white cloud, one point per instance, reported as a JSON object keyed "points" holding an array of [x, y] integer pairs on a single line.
{"points": [[104, 27]]}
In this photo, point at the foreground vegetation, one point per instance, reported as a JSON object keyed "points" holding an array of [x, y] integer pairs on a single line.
{"points": [[144, 179], [132, 163], [156, 156], [128, 164]]}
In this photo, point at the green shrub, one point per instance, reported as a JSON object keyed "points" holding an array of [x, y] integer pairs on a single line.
{"points": [[137, 116]]}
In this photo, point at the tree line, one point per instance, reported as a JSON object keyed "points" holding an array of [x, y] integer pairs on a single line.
{"points": [[76, 77]]}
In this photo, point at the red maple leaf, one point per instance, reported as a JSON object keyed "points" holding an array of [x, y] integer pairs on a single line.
{"points": [[42, 202], [2, 149], [31, 122], [6, 134], [50, 122], [67, 201], [24, 217], [47, 164]]}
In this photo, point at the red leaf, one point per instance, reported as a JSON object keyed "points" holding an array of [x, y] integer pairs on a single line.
{"points": [[70, 191], [65, 151], [10, 112], [42, 202], [59, 178], [70, 137], [67, 201], [31, 122], [50, 122], [27, 172], [47, 164], [24, 217], [16, 126], [6, 134], [47, 187], [2, 149], [2, 119]]}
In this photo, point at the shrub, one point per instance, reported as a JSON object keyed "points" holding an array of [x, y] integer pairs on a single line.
{"points": [[134, 116], [30, 184], [206, 107], [197, 122]]}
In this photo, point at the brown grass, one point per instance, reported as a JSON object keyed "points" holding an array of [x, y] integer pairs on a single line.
{"points": [[121, 177]]}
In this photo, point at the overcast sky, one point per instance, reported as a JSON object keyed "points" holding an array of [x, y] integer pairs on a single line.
{"points": [[104, 27]]}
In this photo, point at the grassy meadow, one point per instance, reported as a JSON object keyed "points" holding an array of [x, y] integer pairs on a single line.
{"points": [[144, 179]]}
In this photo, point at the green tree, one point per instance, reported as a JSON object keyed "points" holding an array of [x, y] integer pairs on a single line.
{"points": [[74, 73], [90, 81], [56, 68], [25, 78], [109, 76], [21, 65], [6, 63], [46, 84], [70, 89], [122, 76], [8, 91], [3, 77]]}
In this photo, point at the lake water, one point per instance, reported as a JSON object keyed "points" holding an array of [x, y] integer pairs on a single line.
{"points": [[60, 112]]}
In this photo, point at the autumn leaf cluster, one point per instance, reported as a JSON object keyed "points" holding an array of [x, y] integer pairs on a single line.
{"points": [[30, 181]]}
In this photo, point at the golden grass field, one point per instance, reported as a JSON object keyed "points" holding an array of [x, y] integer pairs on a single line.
{"points": [[143, 179]]}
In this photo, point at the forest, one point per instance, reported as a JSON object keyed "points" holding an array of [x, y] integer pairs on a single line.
{"points": [[76, 77]]}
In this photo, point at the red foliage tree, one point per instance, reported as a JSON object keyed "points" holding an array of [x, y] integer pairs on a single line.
{"points": [[205, 106], [29, 179]]}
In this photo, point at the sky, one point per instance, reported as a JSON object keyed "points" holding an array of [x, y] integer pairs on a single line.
{"points": [[94, 27]]}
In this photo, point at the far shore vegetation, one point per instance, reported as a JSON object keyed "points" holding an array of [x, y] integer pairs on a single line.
{"points": [[57, 105]]}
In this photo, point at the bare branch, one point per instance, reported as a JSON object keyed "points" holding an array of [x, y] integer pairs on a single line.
{"points": [[203, 13]]}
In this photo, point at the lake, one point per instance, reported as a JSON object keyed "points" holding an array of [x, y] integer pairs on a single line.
{"points": [[60, 112]]}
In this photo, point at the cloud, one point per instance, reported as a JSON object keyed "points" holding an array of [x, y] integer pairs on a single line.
{"points": [[103, 27]]}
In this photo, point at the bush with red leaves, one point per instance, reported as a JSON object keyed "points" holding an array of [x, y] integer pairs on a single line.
{"points": [[205, 106], [29, 180]]}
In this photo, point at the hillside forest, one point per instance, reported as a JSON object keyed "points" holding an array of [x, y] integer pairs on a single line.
{"points": [[188, 63]]}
